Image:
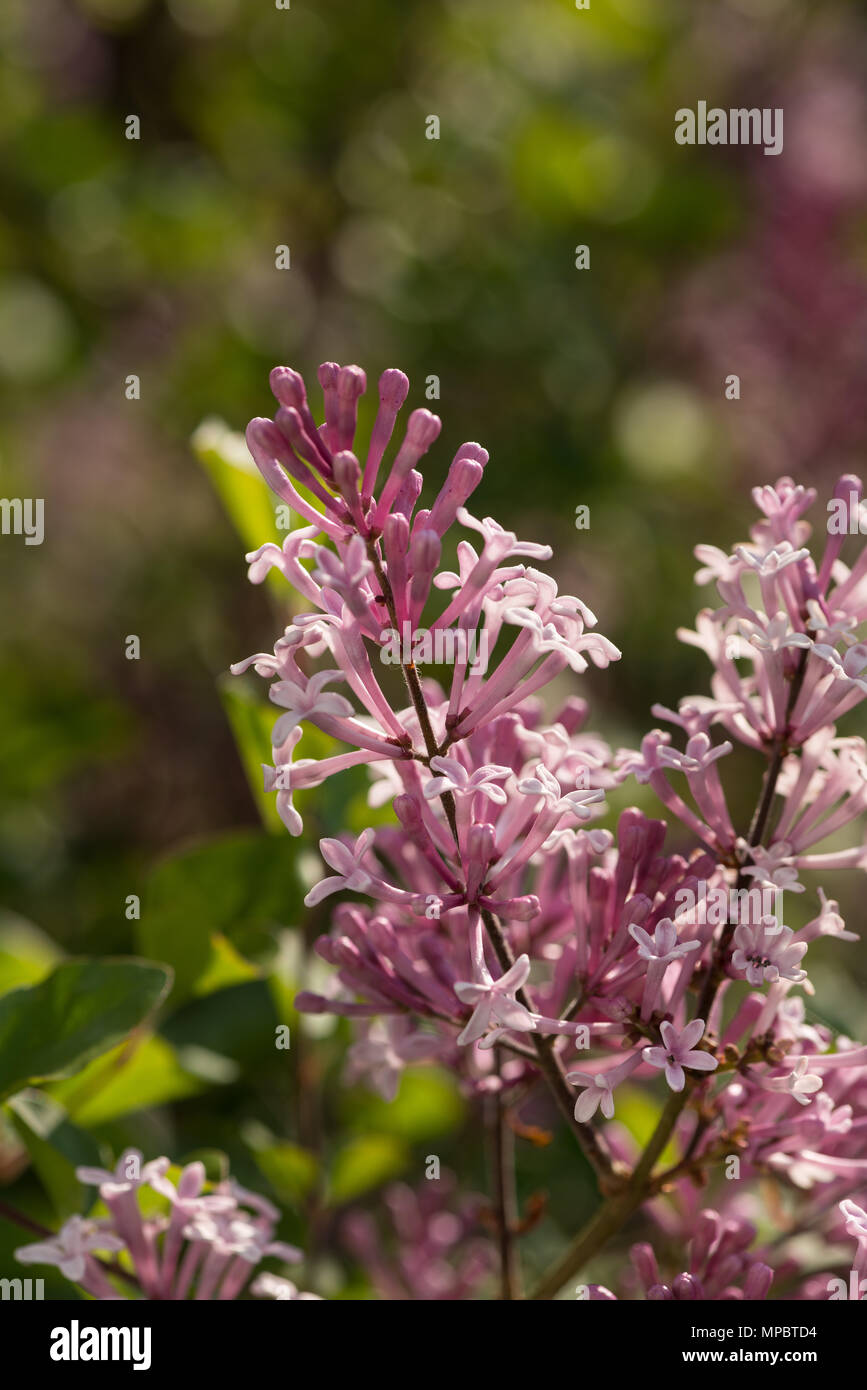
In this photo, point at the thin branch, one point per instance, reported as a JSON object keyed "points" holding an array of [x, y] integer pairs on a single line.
{"points": [[551, 1065], [502, 1145], [616, 1212]]}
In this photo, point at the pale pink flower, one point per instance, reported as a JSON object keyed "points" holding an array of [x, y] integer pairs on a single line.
{"points": [[306, 702], [493, 1002], [678, 1052], [350, 872], [76, 1240], [454, 777], [767, 952], [663, 945], [283, 1290], [799, 1083]]}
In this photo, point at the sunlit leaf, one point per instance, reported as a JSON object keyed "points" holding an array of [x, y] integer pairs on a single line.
{"points": [[246, 497], [290, 1169], [207, 907], [83, 1008], [639, 1112], [427, 1104], [364, 1163], [128, 1078], [27, 955]]}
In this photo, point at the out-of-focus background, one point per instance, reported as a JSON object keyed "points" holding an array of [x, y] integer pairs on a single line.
{"points": [[452, 258]]}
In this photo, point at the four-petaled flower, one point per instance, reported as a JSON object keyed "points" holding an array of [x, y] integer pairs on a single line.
{"points": [[544, 784], [275, 1286], [306, 702], [129, 1173], [779, 558], [382, 1054], [830, 921], [238, 1234], [494, 1002], [677, 1052], [799, 1083], [455, 778], [774, 865], [598, 1093], [856, 1220], [69, 1249], [664, 944], [773, 635], [767, 952], [347, 863]]}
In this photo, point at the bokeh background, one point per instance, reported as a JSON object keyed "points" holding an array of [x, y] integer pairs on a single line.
{"points": [[452, 257]]}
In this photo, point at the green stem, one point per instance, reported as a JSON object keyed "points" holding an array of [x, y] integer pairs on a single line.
{"points": [[614, 1213]]}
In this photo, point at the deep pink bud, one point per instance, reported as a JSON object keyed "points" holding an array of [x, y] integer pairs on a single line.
{"points": [[644, 1260], [707, 1231], [409, 493], [408, 812], [289, 389], [395, 541], [464, 477], [758, 1281], [685, 1287], [421, 431], [424, 556], [393, 391], [351, 384]]}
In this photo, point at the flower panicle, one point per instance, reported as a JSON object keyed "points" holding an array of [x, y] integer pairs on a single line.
{"points": [[206, 1246], [494, 912]]}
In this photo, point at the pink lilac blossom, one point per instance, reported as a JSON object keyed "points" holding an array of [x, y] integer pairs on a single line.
{"points": [[206, 1247], [678, 1051], [720, 1265], [427, 1244], [496, 914]]}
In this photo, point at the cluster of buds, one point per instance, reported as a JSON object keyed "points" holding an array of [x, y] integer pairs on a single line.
{"points": [[720, 1266]]}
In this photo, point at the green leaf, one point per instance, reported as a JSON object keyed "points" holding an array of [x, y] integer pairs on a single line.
{"points": [[225, 967], [245, 495], [125, 1080], [207, 907], [290, 1170], [640, 1114], [251, 721], [27, 954], [56, 1148], [426, 1105], [364, 1163], [82, 1009], [216, 1034]]}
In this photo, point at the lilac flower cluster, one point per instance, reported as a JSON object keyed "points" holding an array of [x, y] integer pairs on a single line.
{"points": [[206, 1247], [430, 1247], [720, 1266], [496, 916]]}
